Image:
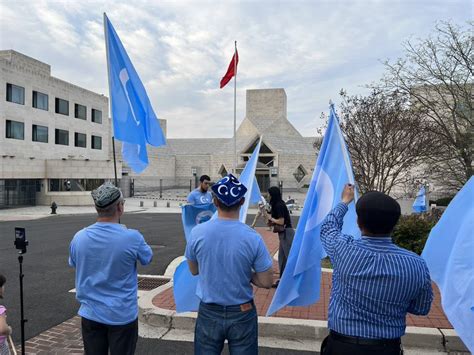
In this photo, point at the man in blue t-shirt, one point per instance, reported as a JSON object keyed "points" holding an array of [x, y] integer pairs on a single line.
{"points": [[105, 256], [229, 257], [201, 195]]}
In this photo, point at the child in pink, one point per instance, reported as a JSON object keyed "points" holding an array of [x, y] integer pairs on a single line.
{"points": [[5, 329]]}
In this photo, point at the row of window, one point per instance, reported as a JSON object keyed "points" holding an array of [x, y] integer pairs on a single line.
{"points": [[16, 130], [16, 94]]}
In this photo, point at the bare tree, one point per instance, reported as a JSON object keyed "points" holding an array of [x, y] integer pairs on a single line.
{"points": [[387, 140], [437, 76]]}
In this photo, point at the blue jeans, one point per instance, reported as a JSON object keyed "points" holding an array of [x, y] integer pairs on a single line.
{"points": [[217, 323]]}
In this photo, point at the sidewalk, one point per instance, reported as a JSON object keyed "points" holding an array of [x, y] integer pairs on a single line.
{"points": [[263, 297]]}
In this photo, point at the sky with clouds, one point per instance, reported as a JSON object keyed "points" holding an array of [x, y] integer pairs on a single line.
{"points": [[181, 49]]}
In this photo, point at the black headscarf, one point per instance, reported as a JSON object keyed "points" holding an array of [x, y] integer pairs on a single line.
{"points": [[275, 195]]}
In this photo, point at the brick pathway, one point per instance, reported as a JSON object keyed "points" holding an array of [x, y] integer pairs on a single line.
{"points": [[64, 338], [435, 319]]}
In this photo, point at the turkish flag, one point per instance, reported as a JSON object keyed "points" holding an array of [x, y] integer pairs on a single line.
{"points": [[231, 71]]}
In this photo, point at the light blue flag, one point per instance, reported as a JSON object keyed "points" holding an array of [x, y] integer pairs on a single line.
{"points": [[247, 177], [419, 205], [184, 283], [300, 282], [256, 195], [449, 254], [135, 122]]}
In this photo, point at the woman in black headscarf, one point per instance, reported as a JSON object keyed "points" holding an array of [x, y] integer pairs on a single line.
{"points": [[281, 222]]}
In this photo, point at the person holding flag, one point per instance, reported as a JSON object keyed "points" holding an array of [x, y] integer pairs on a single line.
{"points": [[229, 257], [375, 283]]}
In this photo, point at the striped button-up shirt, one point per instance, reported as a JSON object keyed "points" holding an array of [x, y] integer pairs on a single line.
{"points": [[374, 283]]}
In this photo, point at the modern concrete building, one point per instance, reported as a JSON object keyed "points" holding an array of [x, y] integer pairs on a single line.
{"points": [[286, 157], [55, 140]]}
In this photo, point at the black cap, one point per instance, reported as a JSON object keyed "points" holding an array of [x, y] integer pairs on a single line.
{"points": [[377, 212]]}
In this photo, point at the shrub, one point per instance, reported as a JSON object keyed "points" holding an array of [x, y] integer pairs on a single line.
{"points": [[411, 232]]}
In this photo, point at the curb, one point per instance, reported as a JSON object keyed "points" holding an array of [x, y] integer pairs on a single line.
{"points": [[426, 339]]}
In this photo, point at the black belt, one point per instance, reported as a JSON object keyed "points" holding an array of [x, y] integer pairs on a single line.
{"points": [[363, 341]]}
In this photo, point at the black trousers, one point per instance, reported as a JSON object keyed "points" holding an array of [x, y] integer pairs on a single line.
{"points": [[332, 346], [98, 338]]}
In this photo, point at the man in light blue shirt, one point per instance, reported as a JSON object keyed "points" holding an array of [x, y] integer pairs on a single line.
{"points": [[201, 195], [229, 256], [105, 256]]}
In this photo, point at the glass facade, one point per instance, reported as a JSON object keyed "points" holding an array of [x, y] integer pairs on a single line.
{"points": [[80, 140], [40, 134], [96, 142], [96, 116], [40, 100], [15, 94], [80, 111], [62, 106], [61, 137], [15, 130]]}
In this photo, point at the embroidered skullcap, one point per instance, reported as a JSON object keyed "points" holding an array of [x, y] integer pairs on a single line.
{"points": [[229, 190], [105, 195], [377, 212]]}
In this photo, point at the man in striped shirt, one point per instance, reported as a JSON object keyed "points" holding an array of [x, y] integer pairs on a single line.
{"points": [[375, 283]]}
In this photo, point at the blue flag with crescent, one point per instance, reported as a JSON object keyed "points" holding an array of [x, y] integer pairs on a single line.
{"points": [[184, 283], [449, 255], [420, 202], [300, 282], [134, 121]]}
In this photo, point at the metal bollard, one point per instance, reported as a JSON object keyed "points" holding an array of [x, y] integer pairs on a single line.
{"points": [[155, 203], [141, 203], [168, 204]]}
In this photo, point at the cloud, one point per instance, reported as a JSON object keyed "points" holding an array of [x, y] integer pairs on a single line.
{"points": [[181, 49]]}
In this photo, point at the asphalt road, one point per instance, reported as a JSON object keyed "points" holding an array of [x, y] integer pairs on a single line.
{"points": [[153, 347], [48, 278]]}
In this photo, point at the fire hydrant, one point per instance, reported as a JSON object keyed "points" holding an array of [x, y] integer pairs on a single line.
{"points": [[54, 206]]}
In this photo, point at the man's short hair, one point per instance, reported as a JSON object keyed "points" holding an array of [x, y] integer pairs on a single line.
{"points": [[377, 212], [108, 211], [204, 177], [224, 207]]}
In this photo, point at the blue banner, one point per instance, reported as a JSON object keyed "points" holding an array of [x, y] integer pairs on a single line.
{"points": [[134, 121], [300, 282], [419, 205], [449, 254]]}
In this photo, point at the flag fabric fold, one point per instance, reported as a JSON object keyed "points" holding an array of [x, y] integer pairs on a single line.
{"points": [[449, 254], [184, 283], [419, 205], [231, 71], [134, 121], [300, 282]]}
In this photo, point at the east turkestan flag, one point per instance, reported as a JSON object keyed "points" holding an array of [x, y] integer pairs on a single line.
{"points": [[135, 122]]}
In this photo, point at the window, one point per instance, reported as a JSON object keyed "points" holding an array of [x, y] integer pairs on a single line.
{"points": [[61, 137], [96, 116], [62, 106], [15, 94], [40, 134], [15, 130], [96, 142], [40, 100], [300, 173], [80, 111], [80, 140]]}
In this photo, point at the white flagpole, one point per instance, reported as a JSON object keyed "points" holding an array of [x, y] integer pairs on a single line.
{"points": [[235, 108]]}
